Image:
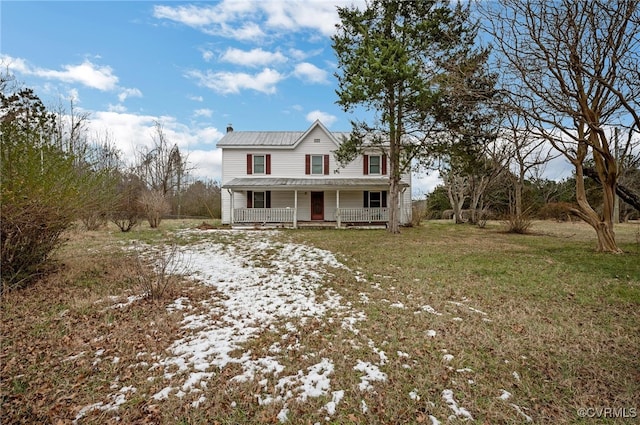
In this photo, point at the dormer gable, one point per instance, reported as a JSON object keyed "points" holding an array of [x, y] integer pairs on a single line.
{"points": [[317, 127], [279, 139]]}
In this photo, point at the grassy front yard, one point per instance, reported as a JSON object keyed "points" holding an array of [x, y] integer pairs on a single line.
{"points": [[440, 323]]}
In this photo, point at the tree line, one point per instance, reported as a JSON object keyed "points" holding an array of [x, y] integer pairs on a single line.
{"points": [[56, 174], [481, 93]]}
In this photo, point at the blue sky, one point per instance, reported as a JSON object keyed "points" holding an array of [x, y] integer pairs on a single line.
{"points": [[194, 67]]}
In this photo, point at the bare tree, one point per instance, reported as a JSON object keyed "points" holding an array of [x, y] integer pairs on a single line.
{"points": [[571, 67], [528, 154], [162, 169], [102, 159]]}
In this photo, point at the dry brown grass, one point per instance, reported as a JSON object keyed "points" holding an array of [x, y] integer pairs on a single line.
{"points": [[563, 318]]}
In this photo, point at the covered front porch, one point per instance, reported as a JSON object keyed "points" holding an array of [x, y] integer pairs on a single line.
{"points": [[288, 217], [278, 202]]}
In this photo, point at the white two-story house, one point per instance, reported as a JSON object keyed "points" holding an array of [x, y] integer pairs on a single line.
{"points": [[291, 178]]}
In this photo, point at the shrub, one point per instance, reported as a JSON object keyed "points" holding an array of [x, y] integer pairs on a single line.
{"points": [[519, 223], [30, 233], [155, 206], [43, 191], [559, 211], [159, 271]]}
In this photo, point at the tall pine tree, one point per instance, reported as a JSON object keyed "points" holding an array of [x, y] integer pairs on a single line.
{"points": [[412, 64]]}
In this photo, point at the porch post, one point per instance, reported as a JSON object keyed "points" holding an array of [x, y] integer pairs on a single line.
{"points": [[403, 213], [338, 207], [231, 217], [295, 209]]}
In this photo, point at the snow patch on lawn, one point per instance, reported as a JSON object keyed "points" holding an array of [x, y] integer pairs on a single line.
{"points": [[447, 396], [252, 298], [371, 373]]}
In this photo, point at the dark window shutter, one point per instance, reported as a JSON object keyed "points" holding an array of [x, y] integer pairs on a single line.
{"points": [[326, 164], [249, 199], [307, 164], [365, 162], [384, 199], [267, 199], [268, 163], [249, 164], [384, 164], [366, 199]]}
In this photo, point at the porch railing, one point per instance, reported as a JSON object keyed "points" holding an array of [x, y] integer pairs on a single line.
{"points": [[264, 215], [363, 215]]}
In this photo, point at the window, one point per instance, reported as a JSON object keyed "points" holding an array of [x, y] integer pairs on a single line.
{"points": [[375, 164], [258, 199], [316, 164], [375, 199], [316, 140], [259, 164]]}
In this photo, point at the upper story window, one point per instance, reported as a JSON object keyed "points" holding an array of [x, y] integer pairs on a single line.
{"points": [[375, 164], [316, 164], [316, 140], [259, 164]]}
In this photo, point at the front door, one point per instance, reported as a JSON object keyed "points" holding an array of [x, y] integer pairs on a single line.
{"points": [[317, 205]]}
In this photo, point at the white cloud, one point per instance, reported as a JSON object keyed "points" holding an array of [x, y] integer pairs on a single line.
{"points": [[254, 57], [117, 108], [229, 82], [14, 64], [318, 15], [132, 133], [207, 55], [86, 73], [225, 19], [125, 93], [189, 15], [73, 96], [251, 19], [326, 119], [207, 165], [204, 112], [423, 184], [196, 98], [310, 73]]}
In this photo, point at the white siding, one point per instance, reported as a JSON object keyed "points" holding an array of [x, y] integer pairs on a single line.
{"points": [[290, 163]]}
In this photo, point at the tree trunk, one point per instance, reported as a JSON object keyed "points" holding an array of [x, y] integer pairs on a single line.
{"points": [[456, 199], [602, 225], [394, 204], [625, 193]]}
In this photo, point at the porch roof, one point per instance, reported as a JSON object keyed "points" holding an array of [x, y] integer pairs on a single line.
{"points": [[275, 183]]}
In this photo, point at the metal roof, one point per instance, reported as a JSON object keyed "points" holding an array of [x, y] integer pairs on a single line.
{"points": [[260, 138], [275, 183], [281, 139]]}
